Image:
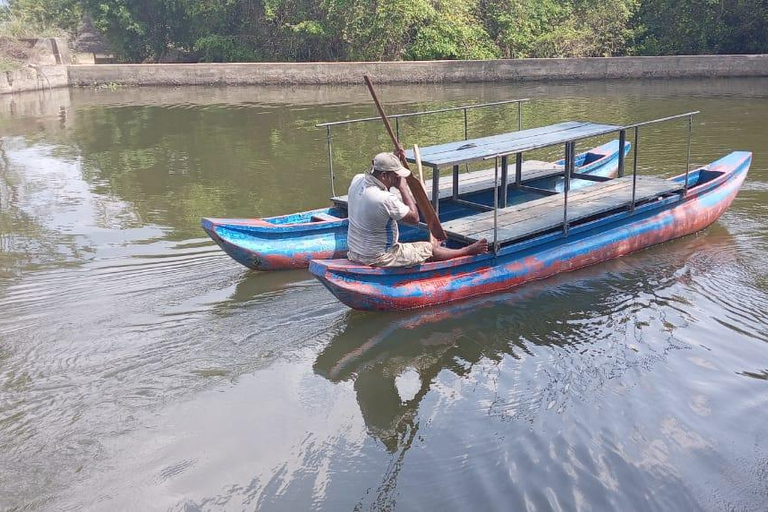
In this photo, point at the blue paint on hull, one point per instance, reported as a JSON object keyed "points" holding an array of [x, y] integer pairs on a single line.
{"points": [[366, 288]]}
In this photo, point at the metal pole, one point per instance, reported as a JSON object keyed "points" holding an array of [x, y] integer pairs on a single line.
{"points": [[496, 205], [466, 126], [688, 158], [622, 143], [504, 181], [634, 172], [436, 189], [519, 115], [567, 184], [455, 173], [330, 159]]}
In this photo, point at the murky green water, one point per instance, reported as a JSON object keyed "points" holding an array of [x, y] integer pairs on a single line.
{"points": [[142, 369]]}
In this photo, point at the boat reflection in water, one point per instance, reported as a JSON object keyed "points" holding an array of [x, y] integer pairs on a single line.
{"points": [[394, 359]]}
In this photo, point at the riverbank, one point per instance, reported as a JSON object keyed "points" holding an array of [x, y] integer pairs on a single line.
{"points": [[331, 73], [402, 72]]}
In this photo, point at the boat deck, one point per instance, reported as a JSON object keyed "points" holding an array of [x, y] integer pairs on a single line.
{"points": [[477, 181], [546, 214]]}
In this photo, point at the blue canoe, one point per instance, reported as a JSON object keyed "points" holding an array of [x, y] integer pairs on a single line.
{"points": [[292, 241]]}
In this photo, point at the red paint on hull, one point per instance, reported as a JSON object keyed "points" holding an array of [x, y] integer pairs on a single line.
{"points": [[348, 282]]}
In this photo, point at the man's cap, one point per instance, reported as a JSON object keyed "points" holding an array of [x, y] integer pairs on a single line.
{"points": [[388, 162]]}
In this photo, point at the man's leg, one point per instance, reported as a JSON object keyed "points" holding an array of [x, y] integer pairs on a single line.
{"points": [[440, 253]]}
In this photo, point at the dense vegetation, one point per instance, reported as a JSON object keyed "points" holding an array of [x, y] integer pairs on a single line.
{"points": [[313, 30]]}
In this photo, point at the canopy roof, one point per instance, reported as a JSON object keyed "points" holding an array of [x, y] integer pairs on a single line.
{"points": [[454, 153]]}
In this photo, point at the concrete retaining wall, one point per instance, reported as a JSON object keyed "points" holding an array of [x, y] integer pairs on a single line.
{"points": [[33, 78], [420, 72]]}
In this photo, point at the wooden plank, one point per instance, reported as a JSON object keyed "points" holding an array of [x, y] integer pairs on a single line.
{"points": [[448, 147], [545, 214], [515, 146], [542, 207], [577, 211], [530, 209]]}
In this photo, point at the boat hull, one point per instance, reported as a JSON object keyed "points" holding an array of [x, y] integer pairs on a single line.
{"points": [[367, 288], [292, 241]]}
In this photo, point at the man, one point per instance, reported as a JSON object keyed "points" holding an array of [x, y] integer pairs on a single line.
{"points": [[373, 215]]}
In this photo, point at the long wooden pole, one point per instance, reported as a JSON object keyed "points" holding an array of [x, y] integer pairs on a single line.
{"points": [[419, 194]]}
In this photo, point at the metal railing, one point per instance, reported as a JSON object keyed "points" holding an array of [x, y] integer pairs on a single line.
{"points": [[397, 117], [570, 153], [637, 127]]}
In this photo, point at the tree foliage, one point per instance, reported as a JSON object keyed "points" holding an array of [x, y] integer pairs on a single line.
{"points": [[319, 30], [40, 18], [702, 26]]}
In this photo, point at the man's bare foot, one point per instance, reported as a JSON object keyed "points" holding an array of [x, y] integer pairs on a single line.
{"points": [[479, 247], [440, 253]]}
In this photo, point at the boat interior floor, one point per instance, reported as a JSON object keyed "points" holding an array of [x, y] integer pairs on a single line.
{"points": [[470, 182], [538, 216]]}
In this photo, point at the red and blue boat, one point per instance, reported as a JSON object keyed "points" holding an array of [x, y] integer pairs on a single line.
{"points": [[555, 233]]}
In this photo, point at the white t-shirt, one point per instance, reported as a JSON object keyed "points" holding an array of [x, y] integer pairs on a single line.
{"points": [[373, 214]]}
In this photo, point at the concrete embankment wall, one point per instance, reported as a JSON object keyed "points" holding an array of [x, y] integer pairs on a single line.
{"points": [[47, 67], [33, 77], [421, 72]]}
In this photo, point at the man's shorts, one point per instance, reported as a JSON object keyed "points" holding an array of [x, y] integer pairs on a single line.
{"points": [[405, 255]]}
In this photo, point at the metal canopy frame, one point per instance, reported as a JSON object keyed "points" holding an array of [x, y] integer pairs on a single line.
{"points": [[570, 153], [502, 145], [465, 108]]}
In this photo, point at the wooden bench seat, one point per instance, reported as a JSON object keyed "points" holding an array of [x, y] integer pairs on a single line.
{"points": [[541, 215]]}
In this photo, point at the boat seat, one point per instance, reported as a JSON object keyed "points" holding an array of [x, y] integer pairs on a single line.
{"points": [[538, 216], [538, 165], [324, 217]]}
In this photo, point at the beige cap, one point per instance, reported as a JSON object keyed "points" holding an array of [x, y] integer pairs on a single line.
{"points": [[388, 162]]}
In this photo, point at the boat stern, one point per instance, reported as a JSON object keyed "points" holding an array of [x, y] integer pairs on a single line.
{"points": [[262, 245]]}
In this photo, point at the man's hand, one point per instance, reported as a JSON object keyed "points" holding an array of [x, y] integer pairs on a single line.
{"points": [[399, 152], [410, 202]]}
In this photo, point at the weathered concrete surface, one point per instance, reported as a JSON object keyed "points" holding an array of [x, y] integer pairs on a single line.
{"points": [[46, 67], [49, 51], [420, 72], [33, 77]]}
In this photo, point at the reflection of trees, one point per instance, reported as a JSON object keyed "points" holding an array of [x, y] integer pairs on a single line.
{"points": [[25, 241], [593, 320], [178, 162]]}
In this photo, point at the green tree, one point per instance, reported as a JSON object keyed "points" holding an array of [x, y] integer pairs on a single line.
{"points": [[142, 30], [451, 30], [702, 26], [338, 30], [40, 18]]}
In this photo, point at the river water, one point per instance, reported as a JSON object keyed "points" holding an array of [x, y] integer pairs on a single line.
{"points": [[143, 369]]}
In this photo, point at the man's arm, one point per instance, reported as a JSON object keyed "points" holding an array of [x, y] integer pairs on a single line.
{"points": [[405, 191]]}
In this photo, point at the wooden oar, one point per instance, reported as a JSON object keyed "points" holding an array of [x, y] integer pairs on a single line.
{"points": [[417, 156], [419, 194]]}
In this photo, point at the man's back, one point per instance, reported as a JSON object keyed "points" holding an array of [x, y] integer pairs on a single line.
{"points": [[373, 214]]}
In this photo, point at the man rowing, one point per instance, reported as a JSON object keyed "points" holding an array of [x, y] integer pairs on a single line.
{"points": [[374, 212]]}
